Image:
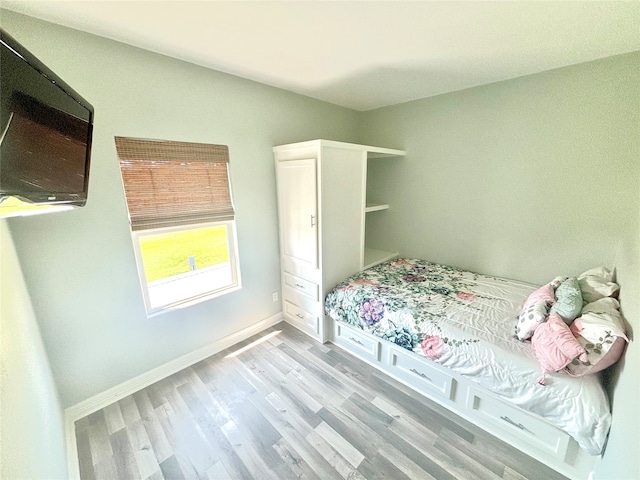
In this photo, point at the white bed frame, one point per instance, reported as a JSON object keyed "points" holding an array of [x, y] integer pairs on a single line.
{"points": [[526, 431]]}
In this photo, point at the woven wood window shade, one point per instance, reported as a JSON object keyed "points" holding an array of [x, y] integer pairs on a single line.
{"points": [[170, 183]]}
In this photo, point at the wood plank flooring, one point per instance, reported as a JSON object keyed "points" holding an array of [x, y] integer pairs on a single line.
{"points": [[289, 408]]}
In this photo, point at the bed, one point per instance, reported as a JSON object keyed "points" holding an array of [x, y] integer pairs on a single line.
{"points": [[453, 321]]}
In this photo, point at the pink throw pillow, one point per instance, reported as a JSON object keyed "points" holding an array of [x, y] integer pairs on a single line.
{"points": [[545, 292], [555, 346]]}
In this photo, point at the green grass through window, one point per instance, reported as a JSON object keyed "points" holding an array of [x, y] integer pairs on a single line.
{"points": [[165, 255]]}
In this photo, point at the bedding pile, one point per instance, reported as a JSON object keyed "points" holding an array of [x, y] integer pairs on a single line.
{"points": [[465, 321], [574, 324]]}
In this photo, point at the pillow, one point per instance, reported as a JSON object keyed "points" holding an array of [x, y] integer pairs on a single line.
{"points": [[568, 300], [545, 292], [600, 330], [602, 272], [613, 353], [597, 283], [529, 319], [555, 283], [534, 311], [606, 305], [555, 346]]}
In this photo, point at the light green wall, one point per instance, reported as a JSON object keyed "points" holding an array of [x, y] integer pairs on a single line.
{"points": [[79, 265], [529, 178], [32, 437]]}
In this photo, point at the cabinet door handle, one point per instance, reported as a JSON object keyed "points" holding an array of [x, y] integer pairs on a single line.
{"points": [[511, 422], [420, 374], [299, 316], [313, 220], [356, 340], [299, 285]]}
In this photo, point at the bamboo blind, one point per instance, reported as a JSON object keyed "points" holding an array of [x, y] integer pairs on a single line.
{"points": [[170, 183]]}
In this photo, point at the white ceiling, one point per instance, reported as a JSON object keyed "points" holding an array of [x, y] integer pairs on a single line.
{"points": [[361, 55]]}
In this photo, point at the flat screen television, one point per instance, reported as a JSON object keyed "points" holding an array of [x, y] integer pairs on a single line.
{"points": [[45, 135]]}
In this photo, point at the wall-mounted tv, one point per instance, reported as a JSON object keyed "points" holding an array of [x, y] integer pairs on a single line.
{"points": [[45, 136]]}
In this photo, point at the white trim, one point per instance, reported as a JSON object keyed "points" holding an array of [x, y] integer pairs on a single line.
{"points": [[372, 152], [72, 449], [101, 400], [190, 294]]}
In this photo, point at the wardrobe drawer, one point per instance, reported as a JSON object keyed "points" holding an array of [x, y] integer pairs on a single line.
{"points": [[516, 423], [359, 343], [301, 317], [410, 368], [302, 286], [294, 268], [300, 300]]}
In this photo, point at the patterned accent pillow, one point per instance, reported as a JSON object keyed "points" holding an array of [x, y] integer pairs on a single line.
{"points": [[568, 300], [555, 346], [601, 331], [530, 317], [534, 311]]}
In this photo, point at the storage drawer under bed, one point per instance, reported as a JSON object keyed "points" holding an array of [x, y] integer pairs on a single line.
{"points": [[523, 430], [516, 423], [425, 378], [358, 343]]}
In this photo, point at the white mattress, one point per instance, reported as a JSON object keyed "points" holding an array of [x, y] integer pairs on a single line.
{"points": [[474, 317]]}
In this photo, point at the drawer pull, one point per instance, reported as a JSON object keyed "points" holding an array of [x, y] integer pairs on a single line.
{"points": [[420, 374], [356, 340], [300, 316], [511, 422], [299, 285]]}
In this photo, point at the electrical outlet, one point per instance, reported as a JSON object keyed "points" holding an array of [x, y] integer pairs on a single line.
{"points": [[274, 295]]}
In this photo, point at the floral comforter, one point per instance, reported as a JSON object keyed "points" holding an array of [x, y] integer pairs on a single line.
{"points": [[465, 321]]}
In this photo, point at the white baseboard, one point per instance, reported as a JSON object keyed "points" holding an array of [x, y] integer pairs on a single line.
{"points": [[101, 400]]}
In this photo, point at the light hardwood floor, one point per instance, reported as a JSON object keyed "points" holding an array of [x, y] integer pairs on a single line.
{"points": [[289, 408]]}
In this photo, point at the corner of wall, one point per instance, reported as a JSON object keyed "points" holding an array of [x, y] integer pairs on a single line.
{"points": [[31, 418]]}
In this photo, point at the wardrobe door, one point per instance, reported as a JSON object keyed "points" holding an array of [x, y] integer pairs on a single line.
{"points": [[298, 198]]}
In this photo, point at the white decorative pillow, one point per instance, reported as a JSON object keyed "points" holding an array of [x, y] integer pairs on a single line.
{"points": [[602, 272], [601, 331], [602, 360], [606, 305], [597, 283]]}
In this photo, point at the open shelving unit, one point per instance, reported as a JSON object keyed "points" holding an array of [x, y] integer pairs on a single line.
{"points": [[375, 207], [374, 256]]}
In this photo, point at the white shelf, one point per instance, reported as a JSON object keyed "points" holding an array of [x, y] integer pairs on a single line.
{"points": [[374, 207], [373, 257], [376, 152]]}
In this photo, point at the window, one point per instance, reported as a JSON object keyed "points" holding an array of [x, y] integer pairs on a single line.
{"points": [[182, 220]]}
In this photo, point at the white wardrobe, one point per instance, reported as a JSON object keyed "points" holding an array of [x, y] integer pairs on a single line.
{"points": [[322, 207]]}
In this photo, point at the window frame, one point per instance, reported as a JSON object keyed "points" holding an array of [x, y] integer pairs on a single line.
{"points": [[234, 262], [178, 186]]}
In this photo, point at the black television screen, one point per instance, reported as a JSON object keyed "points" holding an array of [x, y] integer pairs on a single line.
{"points": [[45, 132]]}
